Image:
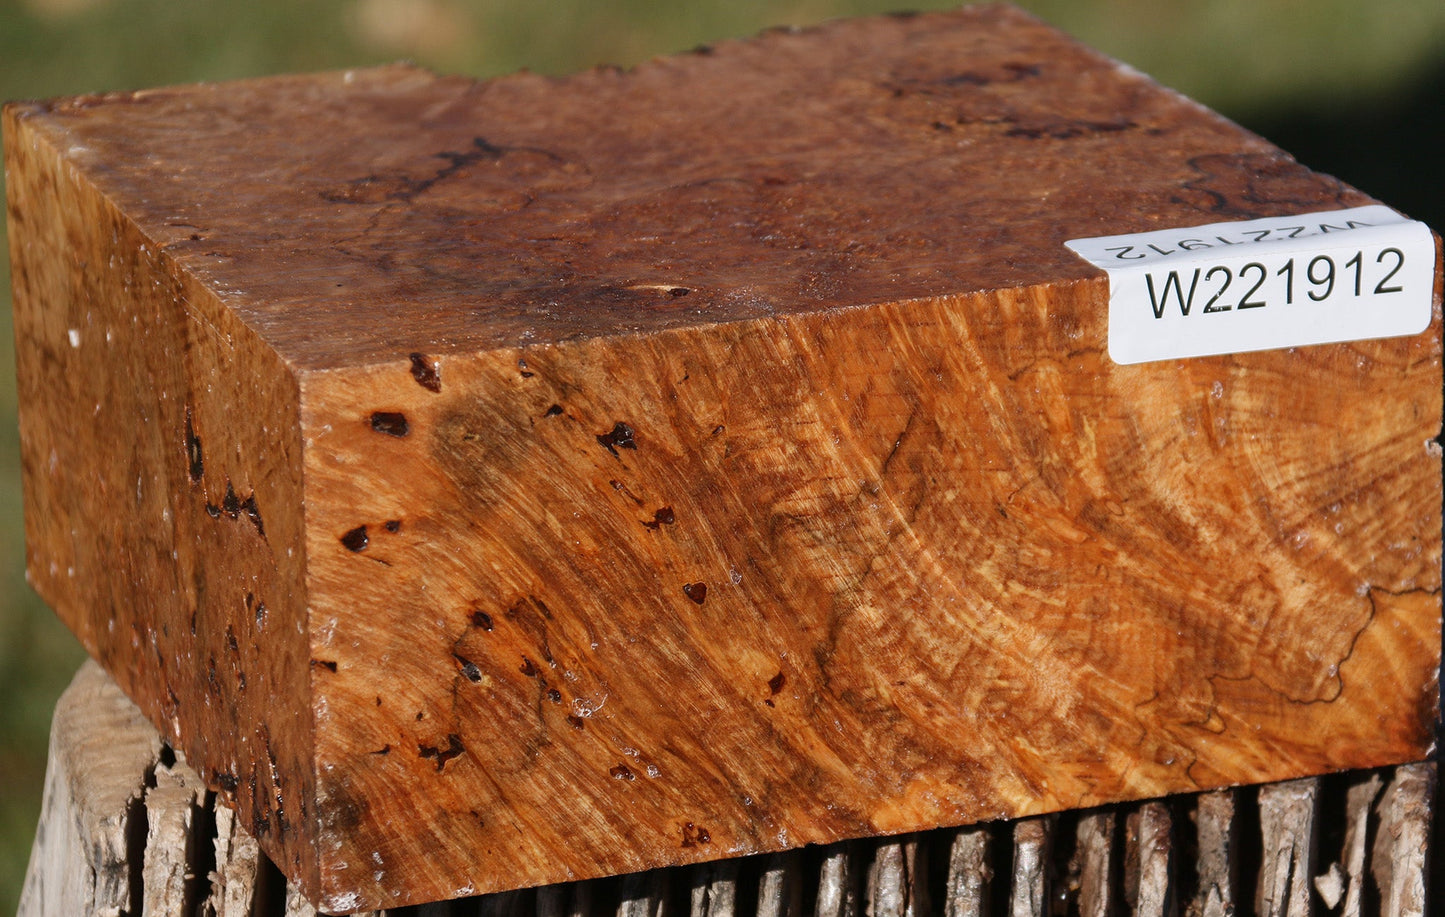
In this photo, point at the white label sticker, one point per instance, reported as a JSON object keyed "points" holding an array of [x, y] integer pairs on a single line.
{"points": [[1316, 278]]}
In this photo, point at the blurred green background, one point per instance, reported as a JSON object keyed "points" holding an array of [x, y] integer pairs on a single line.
{"points": [[1355, 89]]}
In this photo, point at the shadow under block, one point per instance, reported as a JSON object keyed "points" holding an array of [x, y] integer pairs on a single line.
{"points": [[503, 483]]}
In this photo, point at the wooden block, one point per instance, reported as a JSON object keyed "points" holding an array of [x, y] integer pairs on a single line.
{"points": [[183, 852], [493, 484]]}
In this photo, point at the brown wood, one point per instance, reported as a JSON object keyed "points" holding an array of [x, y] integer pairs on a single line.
{"points": [[107, 754], [569, 477]]}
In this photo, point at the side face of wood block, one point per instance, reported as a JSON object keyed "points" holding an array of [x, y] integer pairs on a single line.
{"points": [[509, 483], [156, 428]]}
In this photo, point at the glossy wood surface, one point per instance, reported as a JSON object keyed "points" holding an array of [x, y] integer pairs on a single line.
{"points": [[569, 477]]}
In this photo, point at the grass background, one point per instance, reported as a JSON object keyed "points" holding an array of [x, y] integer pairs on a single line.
{"points": [[1351, 88]]}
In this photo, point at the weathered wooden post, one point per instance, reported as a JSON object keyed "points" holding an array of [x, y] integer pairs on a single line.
{"points": [[901, 424]]}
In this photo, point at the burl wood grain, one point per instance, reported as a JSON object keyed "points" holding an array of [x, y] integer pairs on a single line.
{"points": [[495, 484]]}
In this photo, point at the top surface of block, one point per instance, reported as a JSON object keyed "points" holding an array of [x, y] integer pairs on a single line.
{"points": [[350, 218]]}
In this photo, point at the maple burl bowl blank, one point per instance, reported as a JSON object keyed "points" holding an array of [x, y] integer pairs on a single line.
{"points": [[495, 484]]}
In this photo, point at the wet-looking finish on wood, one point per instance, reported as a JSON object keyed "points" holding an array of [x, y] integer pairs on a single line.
{"points": [[126, 825], [505, 483]]}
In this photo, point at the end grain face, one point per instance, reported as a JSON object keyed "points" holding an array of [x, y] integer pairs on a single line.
{"points": [[726, 460]]}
